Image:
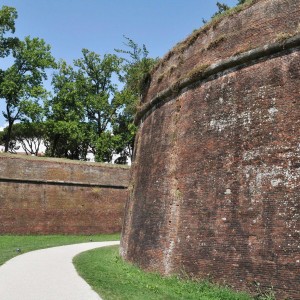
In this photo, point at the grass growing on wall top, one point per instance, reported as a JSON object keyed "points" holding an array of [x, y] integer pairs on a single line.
{"points": [[112, 278], [10, 243], [187, 42]]}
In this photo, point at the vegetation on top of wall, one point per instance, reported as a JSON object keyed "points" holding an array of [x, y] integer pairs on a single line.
{"points": [[182, 46]]}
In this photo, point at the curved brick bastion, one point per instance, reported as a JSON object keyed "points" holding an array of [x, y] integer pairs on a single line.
{"points": [[47, 196], [215, 185]]}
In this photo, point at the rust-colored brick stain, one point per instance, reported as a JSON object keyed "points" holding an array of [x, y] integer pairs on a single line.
{"points": [[215, 187], [46, 196]]}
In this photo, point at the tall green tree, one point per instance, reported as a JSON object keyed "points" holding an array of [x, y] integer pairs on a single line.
{"points": [[88, 113], [8, 16], [96, 91], [22, 82], [66, 131], [136, 75], [83, 109]]}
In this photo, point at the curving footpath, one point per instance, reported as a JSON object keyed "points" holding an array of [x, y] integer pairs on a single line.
{"points": [[47, 274]]}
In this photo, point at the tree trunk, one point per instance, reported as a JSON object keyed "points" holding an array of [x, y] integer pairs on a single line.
{"points": [[8, 136]]}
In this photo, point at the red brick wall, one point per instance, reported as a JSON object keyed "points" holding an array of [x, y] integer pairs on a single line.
{"points": [[216, 178], [47, 196]]}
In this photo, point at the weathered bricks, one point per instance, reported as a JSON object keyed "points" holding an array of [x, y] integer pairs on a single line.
{"points": [[216, 178], [47, 196]]}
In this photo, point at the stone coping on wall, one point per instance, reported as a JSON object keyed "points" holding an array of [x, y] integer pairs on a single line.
{"points": [[37, 170]]}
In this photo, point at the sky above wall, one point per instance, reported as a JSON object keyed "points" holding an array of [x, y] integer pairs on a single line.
{"points": [[99, 25]]}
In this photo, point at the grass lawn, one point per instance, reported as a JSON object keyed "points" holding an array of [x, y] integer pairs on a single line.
{"points": [[10, 243], [112, 278]]}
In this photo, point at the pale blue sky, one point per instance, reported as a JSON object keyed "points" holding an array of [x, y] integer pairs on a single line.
{"points": [[99, 25]]}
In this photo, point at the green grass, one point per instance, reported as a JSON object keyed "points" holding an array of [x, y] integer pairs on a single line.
{"points": [[113, 278], [10, 243]]}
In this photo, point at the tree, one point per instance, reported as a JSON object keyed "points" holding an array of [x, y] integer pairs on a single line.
{"points": [[12, 146], [136, 68], [81, 113], [28, 135], [8, 16], [66, 133], [22, 83], [96, 91], [88, 113], [222, 7], [66, 139], [136, 72]]}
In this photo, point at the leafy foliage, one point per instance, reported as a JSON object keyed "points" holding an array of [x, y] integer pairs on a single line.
{"points": [[8, 16], [97, 90], [21, 85], [222, 7], [28, 135], [87, 112], [82, 111], [136, 72], [64, 136]]}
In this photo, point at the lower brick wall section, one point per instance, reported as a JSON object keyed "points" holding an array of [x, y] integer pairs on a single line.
{"points": [[43, 208]]}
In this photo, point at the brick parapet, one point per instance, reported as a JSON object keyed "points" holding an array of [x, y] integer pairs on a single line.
{"points": [[49, 196]]}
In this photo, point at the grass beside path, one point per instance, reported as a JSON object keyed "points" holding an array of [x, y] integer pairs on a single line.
{"points": [[10, 243], [113, 278]]}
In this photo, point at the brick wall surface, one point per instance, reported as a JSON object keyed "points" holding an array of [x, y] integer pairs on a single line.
{"points": [[47, 196], [216, 178]]}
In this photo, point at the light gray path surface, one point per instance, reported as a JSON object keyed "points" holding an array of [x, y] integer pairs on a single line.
{"points": [[47, 274]]}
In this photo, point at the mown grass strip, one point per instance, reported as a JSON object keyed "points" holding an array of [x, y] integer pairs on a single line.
{"points": [[13, 245], [112, 278]]}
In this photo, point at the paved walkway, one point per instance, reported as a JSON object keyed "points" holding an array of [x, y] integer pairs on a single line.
{"points": [[47, 274]]}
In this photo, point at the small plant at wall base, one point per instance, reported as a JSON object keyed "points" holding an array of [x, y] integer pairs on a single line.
{"points": [[263, 293]]}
